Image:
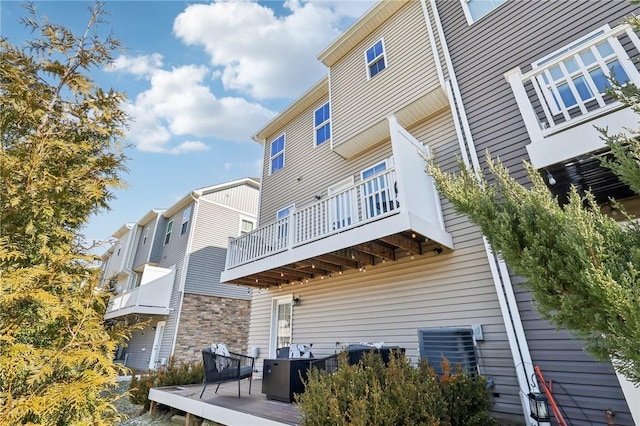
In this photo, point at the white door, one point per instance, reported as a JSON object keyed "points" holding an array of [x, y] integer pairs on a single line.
{"points": [[341, 207], [280, 324], [157, 343]]}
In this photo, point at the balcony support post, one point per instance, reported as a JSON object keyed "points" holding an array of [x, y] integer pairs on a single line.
{"points": [[514, 77]]}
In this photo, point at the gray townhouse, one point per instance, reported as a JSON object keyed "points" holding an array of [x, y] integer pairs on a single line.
{"points": [[165, 270], [353, 242]]}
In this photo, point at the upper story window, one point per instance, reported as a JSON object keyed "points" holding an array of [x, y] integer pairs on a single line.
{"points": [[186, 215], [277, 155], [285, 212], [145, 236], [476, 9], [570, 80], [375, 58], [322, 123], [246, 226], [167, 235]]}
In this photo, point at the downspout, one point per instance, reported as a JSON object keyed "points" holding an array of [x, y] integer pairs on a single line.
{"points": [[502, 281], [183, 273]]}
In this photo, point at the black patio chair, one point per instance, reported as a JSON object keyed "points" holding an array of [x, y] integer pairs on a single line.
{"points": [[222, 369]]}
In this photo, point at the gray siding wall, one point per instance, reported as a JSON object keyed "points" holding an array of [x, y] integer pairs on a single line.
{"points": [[308, 170], [358, 103], [391, 301], [173, 253], [213, 226], [140, 346], [531, 30], [158, 241], [143, 248], [241, 197]]}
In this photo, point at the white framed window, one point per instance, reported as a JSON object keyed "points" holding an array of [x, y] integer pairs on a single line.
{"points": [[276, 159], [246, 225], [145, 236], [375, 58], [378, 190], [186, 215], [167, 234], [285, 211], [322, 124], [581, 77], [476, 9], [281, 316]]}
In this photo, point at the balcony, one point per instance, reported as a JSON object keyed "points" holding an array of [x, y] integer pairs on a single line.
{"points": [[150, 298], [393, 212], [564, 95]]}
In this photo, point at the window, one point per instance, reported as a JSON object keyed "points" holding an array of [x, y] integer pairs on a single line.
{"points": [[145, 236], [277, 155], [281, 324], [285, 212], [377, 192], [186, 214], [575, 80], [476, 9], [322, 123], [375, 59], [167, 235], [246, 226], [455, 344]]}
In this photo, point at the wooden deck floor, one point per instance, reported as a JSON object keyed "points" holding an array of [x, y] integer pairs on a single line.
{"points": [[225, 407]]}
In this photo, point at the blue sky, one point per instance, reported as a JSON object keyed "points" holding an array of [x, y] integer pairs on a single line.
{"points": [[201, 78]]}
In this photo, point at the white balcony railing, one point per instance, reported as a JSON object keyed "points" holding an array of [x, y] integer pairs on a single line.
{"points": [[151, 295], [369, 200], [569, 86]]}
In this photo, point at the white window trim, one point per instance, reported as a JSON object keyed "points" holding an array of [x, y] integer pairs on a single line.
{"points": [[316, 127], [291, 209], [388, 163], [467, 12], [569, 47], [284, 157], [145, 235], [273, 338], [253, 220], [384, 55], [168, 231], [186, 212]]}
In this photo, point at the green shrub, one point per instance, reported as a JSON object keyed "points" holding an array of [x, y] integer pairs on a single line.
{"points": [[466, 397], [183, 373], [371, 393]]}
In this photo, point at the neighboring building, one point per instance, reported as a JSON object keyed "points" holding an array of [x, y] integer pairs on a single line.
{"points": [[354, 244], [166, 269]]}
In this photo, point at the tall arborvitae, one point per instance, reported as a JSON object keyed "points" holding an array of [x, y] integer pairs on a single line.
{"points": [[59, 159], [583, 267]]}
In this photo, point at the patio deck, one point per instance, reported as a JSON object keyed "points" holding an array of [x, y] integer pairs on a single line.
{"points": [[225, 407]]}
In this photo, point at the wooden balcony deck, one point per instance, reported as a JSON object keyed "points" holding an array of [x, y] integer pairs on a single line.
{"points": [[225, 407]]}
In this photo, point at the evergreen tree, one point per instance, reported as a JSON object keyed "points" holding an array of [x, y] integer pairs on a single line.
{"points": [[583, 267], [59, 160]]}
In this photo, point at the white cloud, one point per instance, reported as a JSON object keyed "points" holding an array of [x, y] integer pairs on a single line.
{"points": [[179, 104], [143, 65], [261, 54], [189, 146]]}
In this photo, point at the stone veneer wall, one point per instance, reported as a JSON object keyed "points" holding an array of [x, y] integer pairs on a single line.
{"points": [[209, 319]]}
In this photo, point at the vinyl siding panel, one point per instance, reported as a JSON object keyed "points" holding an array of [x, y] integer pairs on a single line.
{"points": [[173, 254], [308, 170], [213, 226], [391, 301], [140, 347], [241, 197], [410, 73], [582, 387], [143, 248], [158, 240]]}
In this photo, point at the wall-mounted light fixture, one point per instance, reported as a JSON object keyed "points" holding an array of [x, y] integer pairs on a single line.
{"points": [[539, 407], [552, 181], [437, 250], [296, 300]]}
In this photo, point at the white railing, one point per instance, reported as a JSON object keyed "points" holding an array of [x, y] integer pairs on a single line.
{"points": [[156, 293], [369, 200], [569, 87]]}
